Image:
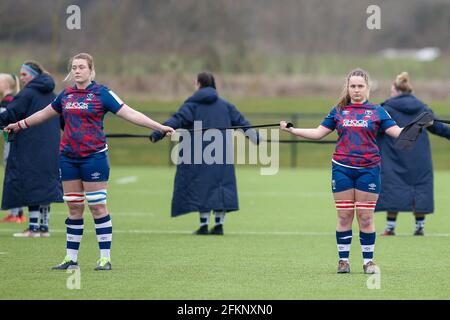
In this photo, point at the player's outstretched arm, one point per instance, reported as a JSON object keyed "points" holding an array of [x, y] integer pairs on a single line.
{"points": [[313, 134], [33, 120], [140, 119]]}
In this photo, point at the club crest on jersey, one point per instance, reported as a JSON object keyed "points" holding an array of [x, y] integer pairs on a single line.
{"points": [[89, 96], [369, 113]]}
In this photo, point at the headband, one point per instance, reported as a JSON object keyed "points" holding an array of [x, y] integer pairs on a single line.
{"points": [[30, 70]]}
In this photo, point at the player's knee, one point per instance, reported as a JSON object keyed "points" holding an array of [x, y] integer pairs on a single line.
{"points": [[76, 212], [98, 210], [97, 202], [365, 218], [75, 202], [365, 221], [345, 220]]}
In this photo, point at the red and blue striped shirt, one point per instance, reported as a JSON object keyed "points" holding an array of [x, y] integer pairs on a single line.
{"points": [[357, 126], [83, 111]]}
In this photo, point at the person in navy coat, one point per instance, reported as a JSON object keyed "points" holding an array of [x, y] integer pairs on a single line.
{"points": [[32, 172], [203, 185], [407, 175]]}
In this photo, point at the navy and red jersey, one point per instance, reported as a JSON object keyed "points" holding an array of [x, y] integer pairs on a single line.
{"points": [[357, 126], [83, 111]]}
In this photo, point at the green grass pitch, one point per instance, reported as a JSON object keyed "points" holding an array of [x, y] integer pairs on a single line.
{"points": [[280, 245]]}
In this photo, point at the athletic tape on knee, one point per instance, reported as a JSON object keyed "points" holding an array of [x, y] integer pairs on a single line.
{"points": [[345, 205], [74, 198], [96, 197], [366, 205]]}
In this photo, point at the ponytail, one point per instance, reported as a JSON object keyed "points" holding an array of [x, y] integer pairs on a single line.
{"points": [[402, 84]]}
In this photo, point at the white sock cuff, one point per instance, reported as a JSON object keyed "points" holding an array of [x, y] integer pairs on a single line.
{"points": [[205, 214]]}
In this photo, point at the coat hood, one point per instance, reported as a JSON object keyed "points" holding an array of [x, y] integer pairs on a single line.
{"points": [[404, 103], [43, 83], [204, 96]]}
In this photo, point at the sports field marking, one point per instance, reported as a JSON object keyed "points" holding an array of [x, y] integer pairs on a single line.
{"points": [[286, 194], [292, 194], [127, 180], [128, 214], [246, 233], [286, 233]]}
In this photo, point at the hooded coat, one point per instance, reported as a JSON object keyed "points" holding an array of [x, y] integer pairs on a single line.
{"points": [[32, 171], [201, 185], [407, 175]]}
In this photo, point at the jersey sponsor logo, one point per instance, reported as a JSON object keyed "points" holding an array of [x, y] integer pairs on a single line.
{"points": [[356, 123], [76, 105]]}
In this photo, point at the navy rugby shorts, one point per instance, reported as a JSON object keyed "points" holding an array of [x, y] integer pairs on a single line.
{"points": [[93, 168], [363, 179]]}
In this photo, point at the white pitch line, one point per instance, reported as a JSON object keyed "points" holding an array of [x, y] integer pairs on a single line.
{"points": [[127, 180], [88, 215], [250, 233], [263, 233]]}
